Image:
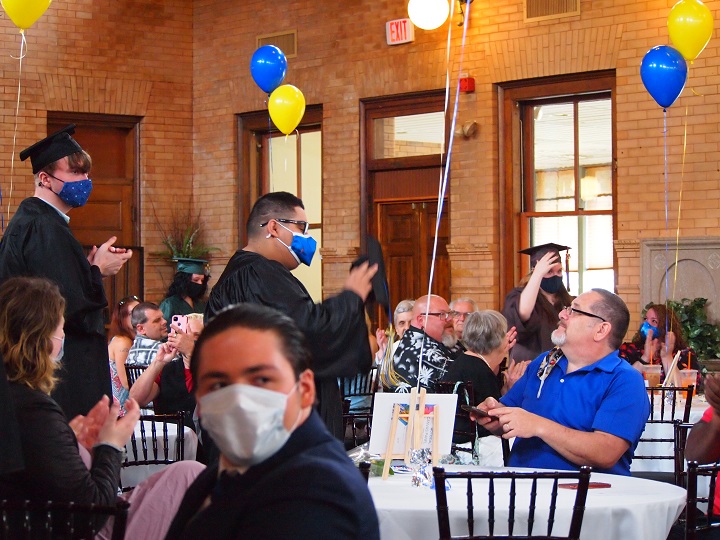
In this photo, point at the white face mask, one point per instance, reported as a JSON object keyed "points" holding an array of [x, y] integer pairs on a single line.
{"points": [[56, 359], [246, 422]]}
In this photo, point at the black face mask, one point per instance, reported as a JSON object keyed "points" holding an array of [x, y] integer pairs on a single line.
{"points": [[551, 285], [196, 290]]}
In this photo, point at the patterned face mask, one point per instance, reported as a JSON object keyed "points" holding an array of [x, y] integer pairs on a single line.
{"points": [[75, 194]]}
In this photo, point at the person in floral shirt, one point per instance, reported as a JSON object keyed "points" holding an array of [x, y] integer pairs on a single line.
{"points": [[421, 358]]}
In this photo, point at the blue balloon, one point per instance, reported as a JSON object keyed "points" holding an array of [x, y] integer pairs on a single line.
{"points": [[664, 73], [268, 67]]}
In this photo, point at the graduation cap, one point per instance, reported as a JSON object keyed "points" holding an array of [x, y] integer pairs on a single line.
{"points": [[538, 252], [53, 147], [191, 266], [374, 255]]}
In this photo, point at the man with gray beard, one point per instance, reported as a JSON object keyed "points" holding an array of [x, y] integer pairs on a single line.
{"points": [[577, 404], [423, 353]]}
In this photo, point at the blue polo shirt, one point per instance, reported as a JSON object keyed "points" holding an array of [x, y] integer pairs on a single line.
{"points": [[608, 396]]}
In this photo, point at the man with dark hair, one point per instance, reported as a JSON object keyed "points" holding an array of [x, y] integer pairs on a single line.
{"points": [[281, 474], [579, 404], [150, 332], [38, 242], [278, 242]]}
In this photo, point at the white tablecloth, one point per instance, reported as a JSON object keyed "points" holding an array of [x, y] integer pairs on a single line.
{"points": [[134, 474], [632, 508]]}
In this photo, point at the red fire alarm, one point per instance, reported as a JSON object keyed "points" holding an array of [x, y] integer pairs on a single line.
{"points": [[467, 84]]}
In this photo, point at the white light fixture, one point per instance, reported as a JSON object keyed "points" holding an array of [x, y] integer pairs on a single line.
{"points": [[428, 14]]}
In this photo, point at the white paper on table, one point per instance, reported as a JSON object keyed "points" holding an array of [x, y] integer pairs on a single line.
{"points": [[382, 420]]}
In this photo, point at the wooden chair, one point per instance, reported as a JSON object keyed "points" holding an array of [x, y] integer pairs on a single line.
{"points": [[681, 434], [664, 411], [59, 520], [152, 446], [362, 385], [697, 522], [133, 371], [501, 484]]}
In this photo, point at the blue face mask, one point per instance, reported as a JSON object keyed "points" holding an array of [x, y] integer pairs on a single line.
{"points": [[647, 326], [75, 194], [302, 247]]}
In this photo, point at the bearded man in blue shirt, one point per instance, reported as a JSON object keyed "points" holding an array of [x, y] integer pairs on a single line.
{"points": [[577, 404]]}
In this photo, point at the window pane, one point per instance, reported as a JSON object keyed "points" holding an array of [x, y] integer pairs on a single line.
{"points": [[412, 135], [283, 164], [555, 191], [598, 242], [560, 230], [595, 158], [311, 174]]}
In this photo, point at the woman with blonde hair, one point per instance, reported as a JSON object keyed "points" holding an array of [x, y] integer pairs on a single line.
{"points": [[77, 462]]}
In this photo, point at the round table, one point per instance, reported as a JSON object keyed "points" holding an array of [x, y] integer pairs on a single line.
{"points": [[630, 508]]}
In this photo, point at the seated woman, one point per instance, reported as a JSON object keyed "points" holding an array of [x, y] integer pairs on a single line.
{"points": [[186, 293], [657, 342], [77, 462], [122, 335], [488, 341]]}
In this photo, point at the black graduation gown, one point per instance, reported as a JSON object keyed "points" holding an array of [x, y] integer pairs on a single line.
{"points": [[533, 336], [335, 329], [39, 243]]}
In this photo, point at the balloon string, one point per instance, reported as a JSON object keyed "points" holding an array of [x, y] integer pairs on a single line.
{"points": [[682, 178], [667, 203], [23, 52], [444, 173]]}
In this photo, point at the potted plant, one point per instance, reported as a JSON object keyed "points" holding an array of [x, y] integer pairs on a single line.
{"points": [[701, 334], [184, 237]]}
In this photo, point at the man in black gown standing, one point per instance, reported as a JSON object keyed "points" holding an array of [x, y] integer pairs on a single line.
{"points": [[259, 273], [38, 242]]}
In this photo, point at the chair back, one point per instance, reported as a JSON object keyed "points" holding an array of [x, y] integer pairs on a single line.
{"points": [[695, 521], [361, 385], [150, 442], [657, 441], [665, 405], [521, 490], [464, 429], [364, 467], [681, 434], [133, 371], [52, 520]]}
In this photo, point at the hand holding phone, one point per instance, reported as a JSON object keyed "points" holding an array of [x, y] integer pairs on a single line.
{"points": [[181, 322], [474, 410]]}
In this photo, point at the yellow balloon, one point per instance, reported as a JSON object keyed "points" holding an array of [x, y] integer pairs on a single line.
{"points": [[287, 107], [690, 24], [24, 13]]}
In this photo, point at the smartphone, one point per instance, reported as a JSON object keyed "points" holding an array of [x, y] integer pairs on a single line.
{"points": [[474, 410], [181, 322]]}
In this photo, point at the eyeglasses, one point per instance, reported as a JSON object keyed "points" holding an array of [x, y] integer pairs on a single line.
{"points": [[570, 310], [461, 314], [127, 299], [304, 225], [444, 315]]}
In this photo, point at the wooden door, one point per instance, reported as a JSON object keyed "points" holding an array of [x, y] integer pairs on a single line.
{"points": [[110, 209], [406, 231]]}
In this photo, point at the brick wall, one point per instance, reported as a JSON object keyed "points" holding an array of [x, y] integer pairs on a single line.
{"points": [[342, 57], [187, 64], [123, 57]]}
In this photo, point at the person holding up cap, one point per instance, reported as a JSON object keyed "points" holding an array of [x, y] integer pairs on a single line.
{"points": [[38, 242], [186, 293], [533, 307]]}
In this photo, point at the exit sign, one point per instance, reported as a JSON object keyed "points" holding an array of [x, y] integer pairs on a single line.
{"points": [[399, 31]]}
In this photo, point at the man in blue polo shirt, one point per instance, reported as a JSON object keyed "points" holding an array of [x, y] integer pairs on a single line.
{"points": [[578, 404]]}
